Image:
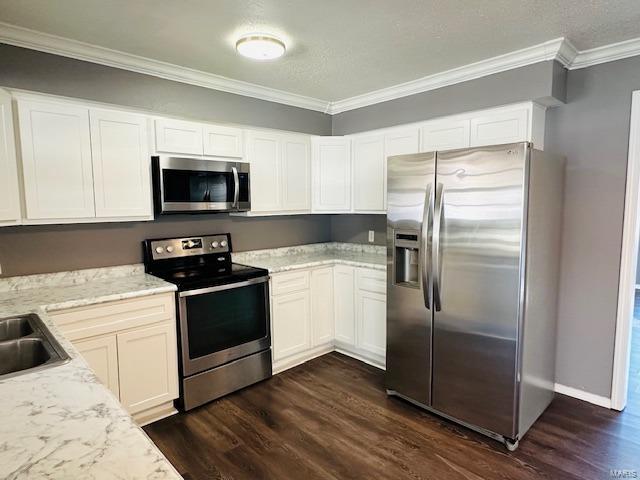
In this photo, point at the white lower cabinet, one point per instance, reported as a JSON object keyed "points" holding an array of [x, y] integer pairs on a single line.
{"points": [[148, 368], [344, 305], [291, 324], [322, 306], [101, 353], [319, 310], [131, 346], [371, 322]]}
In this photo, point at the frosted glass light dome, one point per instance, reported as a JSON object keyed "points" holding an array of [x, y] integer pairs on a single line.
{"points": [[259, 46]]}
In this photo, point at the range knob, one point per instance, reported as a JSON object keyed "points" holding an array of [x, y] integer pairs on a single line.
{"points": [[223, 243], [191, 244], [169, 249], [159, 250], [215, 244]]}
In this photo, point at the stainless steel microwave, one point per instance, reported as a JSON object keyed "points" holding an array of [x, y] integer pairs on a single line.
{"points": [[191, 185]]}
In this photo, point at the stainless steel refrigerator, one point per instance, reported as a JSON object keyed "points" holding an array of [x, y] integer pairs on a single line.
{"points": [[473, 240]]}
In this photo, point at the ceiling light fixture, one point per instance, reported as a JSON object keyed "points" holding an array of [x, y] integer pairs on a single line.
{"points": [[260, 46]]}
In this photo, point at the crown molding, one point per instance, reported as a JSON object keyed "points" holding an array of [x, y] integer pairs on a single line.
{"points": [[44, 42], [560, 49], [519, 58], [606, 53]]}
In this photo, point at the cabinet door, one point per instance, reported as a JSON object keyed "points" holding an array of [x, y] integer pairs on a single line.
{"points": [[263, 152], [56, 158], [296, 173], [371, 323], [177, 136], [148, 363], [445, 135], [368, 174], [322, 306], [502, 126], [331, 173], [402, 141], [9, 196], [101, 353], [121, 164], [291, 324], [344, 298], [222, 141]]}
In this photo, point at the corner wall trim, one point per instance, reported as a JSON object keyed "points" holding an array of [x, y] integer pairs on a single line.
{"points": [[559, 49], [582, 395], [44, 42]]}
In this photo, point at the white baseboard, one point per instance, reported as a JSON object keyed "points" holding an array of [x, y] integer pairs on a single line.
{"points": [[361, 358], [295, 360], [582, 395]]}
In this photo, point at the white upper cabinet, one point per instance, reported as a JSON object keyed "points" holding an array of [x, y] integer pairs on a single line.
{"points": [[296, 173], [222, 141], [500, 126], [445, 135], [331, 174], [280, 172], [56, 158], [9, 193], [402, 141], [263, 152], [178, 136], [121, 164], [193, 138], [369, 169]]}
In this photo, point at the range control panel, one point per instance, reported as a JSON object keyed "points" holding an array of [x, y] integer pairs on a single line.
{"points": [[184, 247]]}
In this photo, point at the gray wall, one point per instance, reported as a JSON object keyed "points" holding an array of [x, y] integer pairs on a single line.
{"points": [[355, 228], [43, 72], [25, 250], [40, 249], [592, 131], [540, 81]]}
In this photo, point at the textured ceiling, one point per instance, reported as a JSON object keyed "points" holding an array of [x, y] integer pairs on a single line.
{"points": [[337, 48]]}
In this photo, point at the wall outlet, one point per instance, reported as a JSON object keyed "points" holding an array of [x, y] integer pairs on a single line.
{"points": [[371, 233]]}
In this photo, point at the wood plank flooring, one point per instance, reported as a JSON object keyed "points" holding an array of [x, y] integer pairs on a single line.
{"points": [[331, 419]]}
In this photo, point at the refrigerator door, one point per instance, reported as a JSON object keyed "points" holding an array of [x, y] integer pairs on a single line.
{"points": [[477, 245], [410, 197]]}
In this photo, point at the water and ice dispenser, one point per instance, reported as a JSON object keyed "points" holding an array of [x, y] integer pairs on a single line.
{"points": [[406, 258]]}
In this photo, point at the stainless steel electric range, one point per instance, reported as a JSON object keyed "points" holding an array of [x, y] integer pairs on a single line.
{"points": [[223, 315]]}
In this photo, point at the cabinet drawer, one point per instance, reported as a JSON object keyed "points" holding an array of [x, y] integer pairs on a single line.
{"points": [[89, 321], [374, 281], [288, 282]]}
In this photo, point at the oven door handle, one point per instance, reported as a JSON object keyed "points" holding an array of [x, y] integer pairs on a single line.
{"points": [[228, 286]]}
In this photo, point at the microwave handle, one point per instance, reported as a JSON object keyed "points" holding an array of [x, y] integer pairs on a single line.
{"points": [[236, 186]]}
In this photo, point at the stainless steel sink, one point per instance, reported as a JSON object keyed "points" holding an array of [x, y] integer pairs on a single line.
{"points": [[26, 345]]}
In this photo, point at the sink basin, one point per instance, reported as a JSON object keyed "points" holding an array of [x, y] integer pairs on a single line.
{"points": [[27, 345], [23, 354], [12, 328]]}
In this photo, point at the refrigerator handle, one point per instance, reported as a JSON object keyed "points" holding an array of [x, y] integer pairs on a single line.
{"points": [[436, 262], [425, 247]]}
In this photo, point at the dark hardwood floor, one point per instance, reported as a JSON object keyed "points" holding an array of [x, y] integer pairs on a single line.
{"points": [[331, 419]]}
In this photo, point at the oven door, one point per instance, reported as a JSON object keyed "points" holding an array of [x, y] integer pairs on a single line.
{"points": [[223, 323], [193, 185]]}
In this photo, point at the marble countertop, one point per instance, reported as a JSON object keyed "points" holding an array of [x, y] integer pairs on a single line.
{"points": [[61, 422], [306, 256]]}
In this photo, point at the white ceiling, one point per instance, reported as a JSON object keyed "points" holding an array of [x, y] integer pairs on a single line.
{"points": [[336, 48]]}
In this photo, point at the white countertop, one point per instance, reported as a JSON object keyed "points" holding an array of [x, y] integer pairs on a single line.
{"points": [[61, 422], [307, 256]]}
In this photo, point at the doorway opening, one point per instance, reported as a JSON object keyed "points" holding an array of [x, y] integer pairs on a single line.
{"points": [[625, 385]]}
